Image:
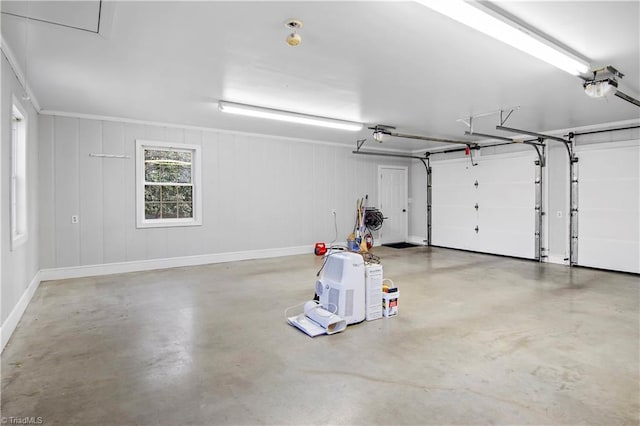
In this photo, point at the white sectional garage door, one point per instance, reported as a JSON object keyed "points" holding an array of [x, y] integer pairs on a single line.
{"points": [[505, 195], [608, 200]]}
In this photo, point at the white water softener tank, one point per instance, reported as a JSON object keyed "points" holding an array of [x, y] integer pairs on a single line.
{"points": [[341, 286]]}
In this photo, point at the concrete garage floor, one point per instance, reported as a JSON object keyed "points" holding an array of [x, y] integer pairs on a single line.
{"points": [[479, 340]]}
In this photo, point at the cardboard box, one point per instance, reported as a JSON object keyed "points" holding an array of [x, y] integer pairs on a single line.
{"points": [[390, 303]]}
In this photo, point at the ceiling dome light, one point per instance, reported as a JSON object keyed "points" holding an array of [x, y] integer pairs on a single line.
{"points": [[293, 39]]}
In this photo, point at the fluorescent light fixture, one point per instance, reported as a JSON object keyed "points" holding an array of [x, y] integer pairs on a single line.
{"points": [[291, 117], [501, 28]]}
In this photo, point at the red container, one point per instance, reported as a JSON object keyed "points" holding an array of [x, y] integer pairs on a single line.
{"points": [[320, 249]]}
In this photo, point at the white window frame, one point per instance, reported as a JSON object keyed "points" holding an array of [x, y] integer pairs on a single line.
{"points": [[18, 190], [141, 221]]}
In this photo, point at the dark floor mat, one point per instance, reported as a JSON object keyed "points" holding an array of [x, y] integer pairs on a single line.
{"points": [[400, 245]]}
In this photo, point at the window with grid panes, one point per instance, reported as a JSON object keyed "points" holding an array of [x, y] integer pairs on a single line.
{"points": [[168, 184]]}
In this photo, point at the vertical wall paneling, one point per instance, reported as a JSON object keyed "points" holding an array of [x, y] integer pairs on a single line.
{"points": [[258, 209], [135, 241], [47, 189], [258, 192], [244, 173], [343, 191], [90, 190], [223, 203], [66, 195], [114, 187], [279, 218], [211, 187], [302, 189], [418, 197], [557, 195]]}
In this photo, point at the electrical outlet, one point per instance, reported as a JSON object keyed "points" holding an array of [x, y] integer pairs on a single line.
{"points": [[559, 214], [75, 219]]}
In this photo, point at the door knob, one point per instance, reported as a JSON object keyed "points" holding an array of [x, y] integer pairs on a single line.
{"points": [[404, 210]]}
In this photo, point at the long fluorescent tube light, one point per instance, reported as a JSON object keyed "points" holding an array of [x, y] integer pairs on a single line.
{"points": [[291, 117], [506, 31]]}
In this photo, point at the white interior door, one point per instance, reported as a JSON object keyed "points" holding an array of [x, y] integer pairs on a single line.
{"points": [[608, 206], [393, 197], [489, 207]]}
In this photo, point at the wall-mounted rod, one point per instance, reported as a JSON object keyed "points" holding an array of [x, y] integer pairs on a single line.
{"points": [[121, 156]]}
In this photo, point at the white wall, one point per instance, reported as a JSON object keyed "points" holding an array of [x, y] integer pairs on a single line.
{"points": [[418, 202], [19, 266], [258, 193]]}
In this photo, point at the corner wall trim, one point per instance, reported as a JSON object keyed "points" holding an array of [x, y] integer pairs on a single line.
{"points": [[172, 262], [10, 324]]}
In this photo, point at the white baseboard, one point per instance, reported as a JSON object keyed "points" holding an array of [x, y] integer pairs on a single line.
{"points": [[172, 262], [10, 324]]}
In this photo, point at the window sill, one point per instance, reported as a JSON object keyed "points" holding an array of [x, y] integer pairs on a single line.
{"points": [[167, 223]]}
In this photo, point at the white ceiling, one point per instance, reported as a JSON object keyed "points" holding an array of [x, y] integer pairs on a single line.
{"points": [[395, 63]]}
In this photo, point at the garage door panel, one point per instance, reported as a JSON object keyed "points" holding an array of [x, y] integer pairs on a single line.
{"points": [[610, 160], [506, 169], [508, 218], [455, 215], [594, 250], [623, 225], [505, 195], [602, 193], [507, 243], [608, 206], [460, 237], [451, 194]]}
